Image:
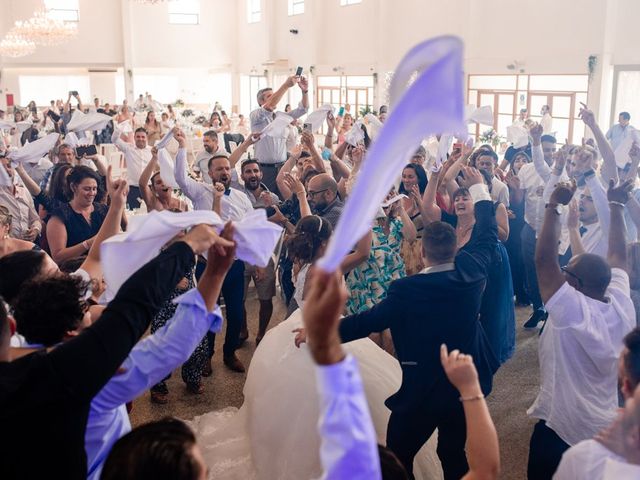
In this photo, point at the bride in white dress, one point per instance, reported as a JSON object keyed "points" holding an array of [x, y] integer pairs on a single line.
{"points": [[274, 435]]}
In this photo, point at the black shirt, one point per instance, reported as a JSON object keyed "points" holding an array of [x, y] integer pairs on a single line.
{"points": [[78, 229], [45, 396]]}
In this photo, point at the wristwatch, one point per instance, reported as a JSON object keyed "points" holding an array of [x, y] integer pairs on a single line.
{"points": [[553, 206]]}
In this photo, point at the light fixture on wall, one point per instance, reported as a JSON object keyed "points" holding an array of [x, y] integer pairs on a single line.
{"points": [[41, 29], [517, 66], [13, 45]]}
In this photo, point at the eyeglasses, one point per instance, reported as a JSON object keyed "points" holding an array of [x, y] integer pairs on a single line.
{"points": [[571, 274], [311, 193]]}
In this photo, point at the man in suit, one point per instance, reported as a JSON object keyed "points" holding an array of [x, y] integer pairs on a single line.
{"points": [[439, 305]]}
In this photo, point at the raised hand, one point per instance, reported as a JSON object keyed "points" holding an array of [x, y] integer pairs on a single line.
{"points": [[323, 305], [218, 190], [308, 139], [563, 193], [535, 131], [221, 255], [622, 192], [303, 83], [201, 237], [573, 219], [178, 134], [357, 154], [294, 184], [587, 115], [471, 176], [154, 152], [460, 371], [118, 193], [266, 198], [331, 121], [513, 181]]}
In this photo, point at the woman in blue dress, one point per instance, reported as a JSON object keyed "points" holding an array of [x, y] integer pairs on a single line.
{"points": [[497, 312]]}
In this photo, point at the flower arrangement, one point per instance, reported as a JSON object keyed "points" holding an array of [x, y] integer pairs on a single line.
{"points": [[178, 103], [491, 137], [200, 120], [187, 113]]}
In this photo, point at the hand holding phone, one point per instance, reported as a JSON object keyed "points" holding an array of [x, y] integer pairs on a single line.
{"points": [[307, 127], [298, 71]]}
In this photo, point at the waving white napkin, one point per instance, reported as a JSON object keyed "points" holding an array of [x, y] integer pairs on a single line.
{"points": [[517, 135], [20, 126], [355, 135], [34, 151], [317, 117], [278, 127], [164, 141], [166, 168], [126, 252], [5, 179], [482, 115], [125, 127], [433, 103], [87, 121], [73, 141]]}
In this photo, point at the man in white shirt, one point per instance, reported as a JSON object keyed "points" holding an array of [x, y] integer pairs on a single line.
{"points": [[211, 148], [590, 312], [234, 205], [271, 152], [487, 161], [136, 159], [588, 459], [533, 177], [619, 132], [547, 120]]}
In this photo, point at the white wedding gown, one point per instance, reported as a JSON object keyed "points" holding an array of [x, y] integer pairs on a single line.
{"points": [[274, 435]]}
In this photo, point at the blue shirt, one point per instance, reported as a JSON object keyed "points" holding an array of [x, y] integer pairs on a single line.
{"points": [[151, 360], [349, 447]]}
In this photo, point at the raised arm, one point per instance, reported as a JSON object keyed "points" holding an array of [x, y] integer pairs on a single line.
{"points": [[618, 197], [339, 169], [483, 449], [237, 154], [502, 219], [145, 177], [331, 128], [101, 168], [537, 154], [310, 142], [348, 446], [275, 98], [190, 187], [609, 170], [33, 187], [359, 255], [118, 191], [287, 168], [573, 225], [599, 195], [117, 141], [429, 209], [550, 277]]}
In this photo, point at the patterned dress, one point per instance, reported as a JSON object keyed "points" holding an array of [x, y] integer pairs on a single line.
{"points": [[368, 282], [192, 369]]}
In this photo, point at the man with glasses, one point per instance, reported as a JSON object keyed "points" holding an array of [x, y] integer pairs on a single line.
{"points": [[322, 194], [590, 312]]}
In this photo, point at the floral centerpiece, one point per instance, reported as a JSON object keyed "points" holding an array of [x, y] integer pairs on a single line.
{"points": [[491, 137]]}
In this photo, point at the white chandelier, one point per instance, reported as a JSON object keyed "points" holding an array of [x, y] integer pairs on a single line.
{"points": [[13, 45], [43, 30]]}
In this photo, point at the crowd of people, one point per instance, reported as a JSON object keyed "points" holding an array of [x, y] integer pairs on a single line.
{"points": [[432, 289]]}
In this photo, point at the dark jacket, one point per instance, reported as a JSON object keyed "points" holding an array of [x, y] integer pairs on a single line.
{"points": [[424, 311]]}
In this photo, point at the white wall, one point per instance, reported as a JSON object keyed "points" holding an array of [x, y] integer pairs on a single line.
{"points": [[549, 36]]}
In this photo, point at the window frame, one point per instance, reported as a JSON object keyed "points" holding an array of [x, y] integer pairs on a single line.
{"points": [[348, 3], [190, 16], [254, 16], [61, 11], [293, 7]]}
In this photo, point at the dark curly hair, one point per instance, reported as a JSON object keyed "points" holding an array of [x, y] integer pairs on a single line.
{"points": [[77, 175], [18, 268], [47, 308], [307, 239]]}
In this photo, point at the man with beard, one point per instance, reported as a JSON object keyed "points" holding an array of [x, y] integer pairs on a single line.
{"points": [[211, 148], [263, 278], [322, 194], [136, 159], [234, 204]]}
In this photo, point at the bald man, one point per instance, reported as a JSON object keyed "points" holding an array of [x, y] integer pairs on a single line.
{"points": [[590, 312], [322, 194]]}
